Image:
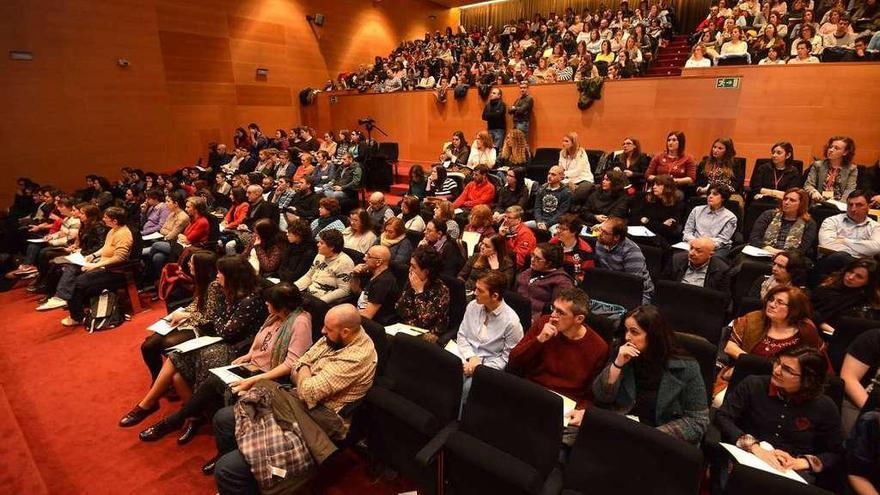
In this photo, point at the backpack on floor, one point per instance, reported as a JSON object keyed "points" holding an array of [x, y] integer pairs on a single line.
{"points": [[104, 312]]}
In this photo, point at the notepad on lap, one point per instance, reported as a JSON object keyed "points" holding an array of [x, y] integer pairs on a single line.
{"points": [[757, 252], [164, 326], [38, 241], [751, 460], [197, 343], [568, 406], [640, 231], [401, 328], [681, 245], [76, 258], [155, 236]]}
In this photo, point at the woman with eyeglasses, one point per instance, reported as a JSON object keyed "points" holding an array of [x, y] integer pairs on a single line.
{"points": [[784, 419], [783, 322], [544, 278]]}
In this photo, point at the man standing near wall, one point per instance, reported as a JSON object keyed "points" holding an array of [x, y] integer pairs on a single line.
{"points": [[522, 109], [494, 115]]}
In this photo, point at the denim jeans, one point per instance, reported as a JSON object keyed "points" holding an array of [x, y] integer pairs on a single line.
{"points": [[523, 126], [497, 137]]}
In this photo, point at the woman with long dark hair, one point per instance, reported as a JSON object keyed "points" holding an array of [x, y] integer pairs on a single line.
{"points": [[772, 179], [513, 192], [853, 289], [718, 169], [491, 254], [359, 234], [662, 209], [300, 251], [651, 377], [207, 297], [267, 246], [236, 321], [674, 161], [424, 302], [410, 213]]}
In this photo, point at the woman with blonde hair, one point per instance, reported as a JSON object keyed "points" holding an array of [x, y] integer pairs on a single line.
{"points": [[482, 151], [394, 238], [576, 166], [515, 152]]}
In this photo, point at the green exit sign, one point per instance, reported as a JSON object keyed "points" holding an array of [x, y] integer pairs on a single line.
{"points": [[727, 82]]}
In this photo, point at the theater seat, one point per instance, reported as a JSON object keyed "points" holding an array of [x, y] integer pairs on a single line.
{"points": [[521, 306], [542, 161], [705, 353], [508, 438], [614, 454], [692, 309], [416, 399], [744, 480], [614, 287]]}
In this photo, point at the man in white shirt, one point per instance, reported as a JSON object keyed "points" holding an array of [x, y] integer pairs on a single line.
{"points": [[847, 236]]}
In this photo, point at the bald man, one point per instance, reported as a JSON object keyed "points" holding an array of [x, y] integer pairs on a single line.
{"points": [[376, 286], [551, 200], [699, 267], [336, 371], [379, 212]]}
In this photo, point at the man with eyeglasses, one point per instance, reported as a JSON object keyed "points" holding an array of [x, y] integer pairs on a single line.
{"points": [[520, 239], [375, 285], [614, 251], [562, 353]]}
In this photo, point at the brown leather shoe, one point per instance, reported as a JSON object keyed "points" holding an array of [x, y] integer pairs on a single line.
{"points": [[137, 415]]}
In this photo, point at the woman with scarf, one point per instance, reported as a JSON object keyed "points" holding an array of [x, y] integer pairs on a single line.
{"points": [[410, 214], [787, 227], [394, 238], [783, 322], [284, 337]]}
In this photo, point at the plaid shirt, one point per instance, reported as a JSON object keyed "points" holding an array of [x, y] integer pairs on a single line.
{"points": [[339, 376], [265, 445]]}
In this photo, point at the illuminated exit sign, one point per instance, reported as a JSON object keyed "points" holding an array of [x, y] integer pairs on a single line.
{"points": [[727, 82]]}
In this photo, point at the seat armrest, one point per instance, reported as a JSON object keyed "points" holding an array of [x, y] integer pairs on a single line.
{"points": [[426, 455], [553, 483]]}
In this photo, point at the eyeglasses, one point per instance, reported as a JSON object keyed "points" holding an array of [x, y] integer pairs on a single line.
{"points": [[777, 302], [786, 370]]}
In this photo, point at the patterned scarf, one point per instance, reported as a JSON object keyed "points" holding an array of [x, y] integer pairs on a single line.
{"points": [[795, 233], [282, 341]]}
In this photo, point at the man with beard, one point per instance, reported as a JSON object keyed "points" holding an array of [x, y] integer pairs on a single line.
{"points": [[336, 371]]}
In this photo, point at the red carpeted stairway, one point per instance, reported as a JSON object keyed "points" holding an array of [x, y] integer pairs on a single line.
{"points": [[670, 60], [62, 392]]}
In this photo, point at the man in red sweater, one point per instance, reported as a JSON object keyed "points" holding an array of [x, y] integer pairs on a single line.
{"points": [[520, 239], [479, 191], [563, 354]]}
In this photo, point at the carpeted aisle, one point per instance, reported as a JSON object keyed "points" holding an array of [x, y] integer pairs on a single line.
{"points": [[66, 391]]}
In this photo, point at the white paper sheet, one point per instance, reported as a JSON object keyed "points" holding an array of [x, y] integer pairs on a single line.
{"points": [[273, 280], [640, 231], [452, 347], [76, 258], [401, 328], [757, 252], [751, 460], [470, 239], [38, 241], [164, 326], [587, 232], [197, 343], [681, 245], [841, 205], [155, 236], [568, 406]]}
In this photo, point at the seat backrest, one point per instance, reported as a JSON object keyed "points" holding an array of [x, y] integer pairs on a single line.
{"points": [[426, 375], [380, 341], [704, 352], [515, 416], [745, 480], [609, 444], [522, 306], [546, 157], [415, 237], [747, 365], [391, 151], [356, 256], [613, 287], [653, 259], [318, 309], [457, 300], [594, 156], [602, 325], [749, 272], [704, 313]]}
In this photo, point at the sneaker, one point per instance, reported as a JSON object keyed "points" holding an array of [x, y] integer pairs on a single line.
{"points": [[52, 303], [70, 322]]}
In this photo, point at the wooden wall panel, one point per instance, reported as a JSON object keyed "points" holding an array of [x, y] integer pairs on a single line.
{"points": [[248, 29], [273, 96], [765, 109]]}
